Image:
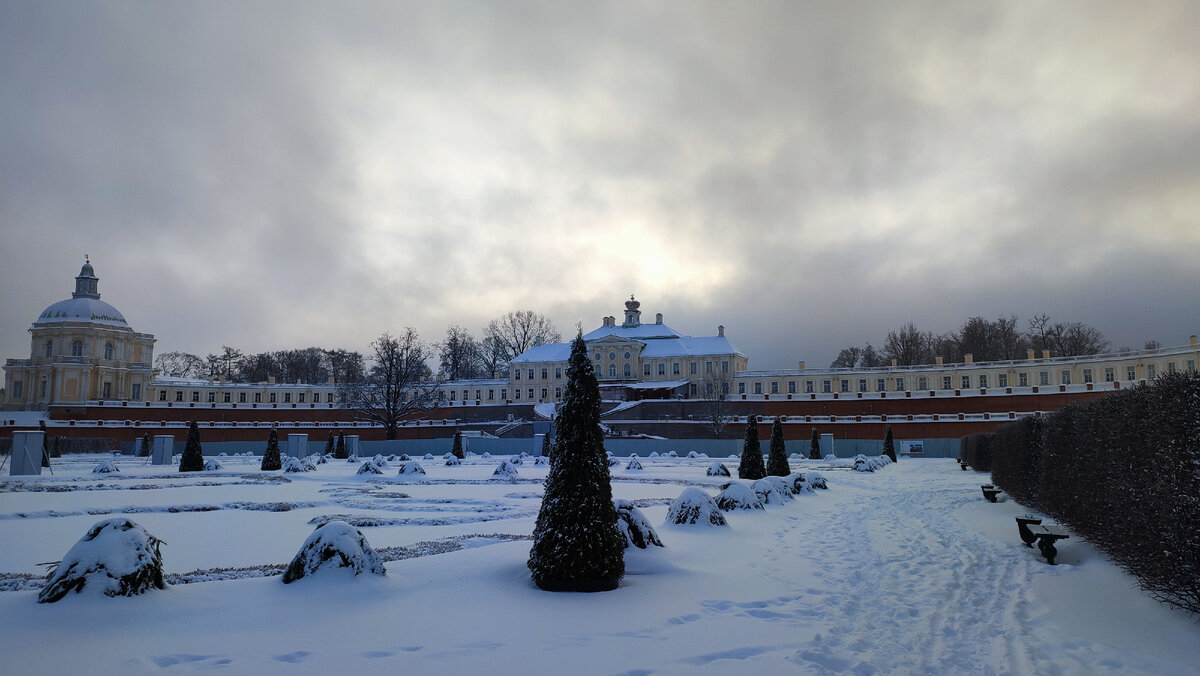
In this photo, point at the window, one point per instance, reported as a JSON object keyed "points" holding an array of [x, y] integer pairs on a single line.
{"points": [[1191, 365], [328, 397], [826, 386], [627, 354], [162, 395], [758, 388], [708, 367], [531, 375], [1023, 380], [342, 397], [531, 394], [1151, 370], [299, 397], [227, 397], [242, 397], [212, 397], [1170, 367], [808, 386], [774, 387], [845, 385], [1130, 373], [19, 389], [49, 351], [272, 397], [1109, 375], [107, 390], [708, 389], [558, 373], [477, 393], [646, 370], [675, 369], [516, 394], [544, 374], [258, 397], [287, 397], [880, 384], [77, 348], [791, 387], [597, 356], [612, 356], [692, 368], [108, 350], [1066, 377], [558, 393], [662, 369], [724, 366], [628, 370], [195, 396], [741, 388], [504, 393], [1043, 377], [516, 374], [724, 389], [1087, 375], [946, 382], [178, 395], [612, 370], [544, 393], [923, 383], [491, 394], [1002, 380], [899, 384], [983, 380], [966, 382], [692, 389], [135, 392], [862, 384], [453, 395], [43, 388]]}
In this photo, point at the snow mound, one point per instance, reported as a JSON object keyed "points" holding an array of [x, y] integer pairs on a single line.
{"points": [[486, 455], [105, 467], [368, 468], [672, 454], [505, 470], [795, 456], [429, 456], [381, 462], [452, 461], [737, 495], [634, 527], [211, 465], [799, 483], [318, 459], [653, 454], [768, 492], [447, 456], [410, 467], [831, 457], [693, 454], [717, 469], [334, 545], [515, 460], [694, 506], [291, 464], [634, 464], [116, 557], [815, 479], [782, 485], [613, 462]]}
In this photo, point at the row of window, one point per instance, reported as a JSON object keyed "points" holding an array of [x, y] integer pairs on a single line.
{"points": [[558, 374], [227, 397], [106, 390]]}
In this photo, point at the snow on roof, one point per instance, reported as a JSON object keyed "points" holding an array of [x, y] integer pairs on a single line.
{"points": [[657, 385], [688, 346], [544, 352], [81, 309], [639, 331]]}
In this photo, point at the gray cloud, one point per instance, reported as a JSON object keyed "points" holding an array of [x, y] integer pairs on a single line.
{"points": [[269, 175]]}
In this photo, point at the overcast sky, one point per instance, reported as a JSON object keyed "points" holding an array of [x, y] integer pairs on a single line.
{"points": [[276, 175]]}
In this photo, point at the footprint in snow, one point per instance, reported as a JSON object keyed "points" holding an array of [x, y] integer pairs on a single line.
{"points": [[293, 658]]}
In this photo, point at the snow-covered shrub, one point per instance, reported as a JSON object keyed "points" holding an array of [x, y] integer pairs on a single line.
{"points": [[211, 465], [116, 557], [291, 464], [717, 469], [222, 454], [449, 455], [515, 460], [541, 460], [381, 462], [694, 506], [505, 470], [410, 468], [653, 454], [693, 454], [634, 464], [452, 461], [105, 467], [799, 483], [368, 468], [768, 492], [733, 456], [634, 526], [737, 495], [782, 485], [392, 458], [672, 454], [795, 456], [831, 458], [613, 462], [353, 459], [486, 456], [332, 546], [524, 454], [318, 459], [815, 479], [428, 456], [403, 457]]}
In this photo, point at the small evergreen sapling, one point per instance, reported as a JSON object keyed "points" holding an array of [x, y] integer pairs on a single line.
{"points": [[340, 451], [814, 445], [889, 446], [456, 447], [146, 444], [329, 445], [777, 462], [546, 447], [576, 543], [751, 466], [271, 460], [193, 456]]}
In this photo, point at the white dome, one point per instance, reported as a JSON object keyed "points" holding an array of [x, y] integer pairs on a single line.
{"points": [[91, 310]]}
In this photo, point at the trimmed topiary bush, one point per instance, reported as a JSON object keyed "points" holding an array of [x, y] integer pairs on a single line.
{"points": [[193, 456], [271, 460], [751, 466], [737, 495], [634, 527], [634, 464], [339, 450], [717, 469], [777, 462], [410, 468], [695, 507], [889, 446], [334, 546], [105, 467], [116, 557], [211, 465], [505, 470], [456, 446], [814, 445], [768, 492]]}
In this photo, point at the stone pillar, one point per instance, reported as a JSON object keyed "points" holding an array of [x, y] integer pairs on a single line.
{"points": [[352, 445], [26, 459], [297, 446], [162, 450]]}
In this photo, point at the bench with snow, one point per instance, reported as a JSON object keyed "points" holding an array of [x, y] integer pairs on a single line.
{"points": [[1031, 529], [990, 492]]}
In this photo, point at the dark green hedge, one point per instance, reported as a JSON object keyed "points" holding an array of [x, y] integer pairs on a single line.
{"points": [[1124, 473], [976, 451]]}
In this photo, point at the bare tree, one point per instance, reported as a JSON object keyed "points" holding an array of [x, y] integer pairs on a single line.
{"points": [[396, 386], [1077, 339], [180, 365], [224, 366], [345, 366], [1152, 345], [848, 358], [459, 355], [909, 346], [256, 368], [718, 409], [518, 331], [493, 357], [1010, 344]]}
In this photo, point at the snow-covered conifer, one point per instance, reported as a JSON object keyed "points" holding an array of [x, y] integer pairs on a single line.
{"points": [[193, 456], [505, 470], [777, 462], [635, 528], [889, 446], [105, 467], [456, 446], [576, 543], [339, 450], [695, 507], [814, 445], [116, 557], [329, 444], [751, 466], [331, 546], [717, 469], [270, 459], [737, 495]]}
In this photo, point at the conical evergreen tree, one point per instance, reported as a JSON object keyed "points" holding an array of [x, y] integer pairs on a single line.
{"points": [[751, 466], [456, 447], [777, 462], [193, 456], [147, 443], [340, 451], [576, 543], [889, 446], [546, 447], [271, 459], [814, 446], [329, 445]]}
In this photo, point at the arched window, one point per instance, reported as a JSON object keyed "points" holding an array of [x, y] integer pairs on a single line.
{"points": [[628, 370], [108, 350], [612, 370], [49, 348], [77, 348]]}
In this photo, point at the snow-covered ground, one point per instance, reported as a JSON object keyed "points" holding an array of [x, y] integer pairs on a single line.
{"points": [[906, 570]]}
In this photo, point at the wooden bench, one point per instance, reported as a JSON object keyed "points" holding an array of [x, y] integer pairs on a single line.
{"points": [[1023, 524], [990, 492], [1046, 537]]}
